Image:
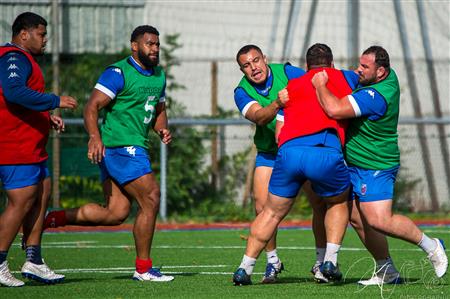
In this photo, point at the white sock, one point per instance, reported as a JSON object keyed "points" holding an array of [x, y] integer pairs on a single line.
{"points": [[427, 244], [320, 255], [332, 252], [272, 257], [248, 263]]}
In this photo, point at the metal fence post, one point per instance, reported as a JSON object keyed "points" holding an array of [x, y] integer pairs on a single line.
{"points": [[163, 187]]}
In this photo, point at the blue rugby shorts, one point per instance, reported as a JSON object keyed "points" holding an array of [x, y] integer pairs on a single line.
{"points": [[265, 159], [23, 175], [372, 185], [125, 164], [323, 166]]}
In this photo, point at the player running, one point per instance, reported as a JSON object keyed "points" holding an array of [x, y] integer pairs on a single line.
{"points": [[132, 94]]}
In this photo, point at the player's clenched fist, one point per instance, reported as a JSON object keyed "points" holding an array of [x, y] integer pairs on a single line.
{"points": [[283, 97], [320, 79]]}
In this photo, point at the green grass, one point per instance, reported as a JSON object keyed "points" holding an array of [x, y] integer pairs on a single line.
{"points": [[192, 254]]}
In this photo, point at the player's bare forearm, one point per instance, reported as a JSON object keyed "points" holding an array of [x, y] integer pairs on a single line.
{"points": [[98, 100], [91, 121], [333, 106], [161, 118], [265, 115], [161, 127], [90, 115], [327, 100]]}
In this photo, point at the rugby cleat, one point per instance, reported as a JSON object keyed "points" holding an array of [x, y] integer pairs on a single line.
{"points": [[241, 278], [330, 271], [439, 259], [154, 274], [381, 277], [6, 277], [41, 273], [318, 276], [272, 271]]}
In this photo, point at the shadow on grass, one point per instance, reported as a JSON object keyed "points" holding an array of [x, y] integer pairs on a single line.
{"points": [[187, 274], [33, 283], [310, 280]]}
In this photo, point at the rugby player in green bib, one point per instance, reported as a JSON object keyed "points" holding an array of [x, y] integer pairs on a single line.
{"points": [[132, 94], [257, 99], [373, 158]]}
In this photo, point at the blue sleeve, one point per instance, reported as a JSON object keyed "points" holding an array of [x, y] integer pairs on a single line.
{"points": [[15, 70], [111, 82], [293, 72], [241, 98], [280, 115], [370, 103], [352, 78]]}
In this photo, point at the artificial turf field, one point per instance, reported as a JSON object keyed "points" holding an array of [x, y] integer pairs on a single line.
{"points": [[100, 265]]}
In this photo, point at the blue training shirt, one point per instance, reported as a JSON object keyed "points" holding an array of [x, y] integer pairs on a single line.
{"points": [[368, 102], [15, 69], [111, 81]]}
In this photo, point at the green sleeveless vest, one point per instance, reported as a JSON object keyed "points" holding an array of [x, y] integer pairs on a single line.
{"points": [[374, 144], [129, 117], [265, 135]]}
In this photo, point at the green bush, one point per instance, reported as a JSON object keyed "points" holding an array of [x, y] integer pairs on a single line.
{"points": [[79, 190]]}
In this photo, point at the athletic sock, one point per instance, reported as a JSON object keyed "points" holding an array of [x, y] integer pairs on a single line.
{"points": [[332, 252], [272, 257], [3, 255], [248, 263], [33, 253], [55, 219], [143, 266], [320, 255], [427, 244]]}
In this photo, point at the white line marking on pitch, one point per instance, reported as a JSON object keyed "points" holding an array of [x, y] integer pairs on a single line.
{"points": [[84, 246], [130, 269], [63, 243], [437, 231]]}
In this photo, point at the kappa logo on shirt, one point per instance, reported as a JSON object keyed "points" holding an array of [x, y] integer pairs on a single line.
{"points": [[117, 70], [12, 66], [371, 93], [13, 58], [13, 75]]}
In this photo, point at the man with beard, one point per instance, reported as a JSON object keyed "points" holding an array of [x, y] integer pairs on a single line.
{"points": [[373, 158], [132, 93], [24, 130]]}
